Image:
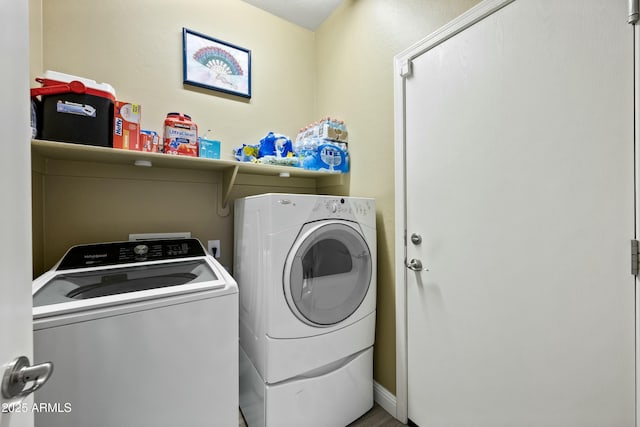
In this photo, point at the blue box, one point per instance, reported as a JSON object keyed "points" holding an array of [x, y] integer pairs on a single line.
{"points": [[328, 157], [209, 148]]}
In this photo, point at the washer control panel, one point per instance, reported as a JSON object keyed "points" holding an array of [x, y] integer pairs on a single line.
{"points": [[129, 252]]}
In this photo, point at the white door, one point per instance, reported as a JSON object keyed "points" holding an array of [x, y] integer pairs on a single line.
{"points": [[520, 182], [15, 193]]}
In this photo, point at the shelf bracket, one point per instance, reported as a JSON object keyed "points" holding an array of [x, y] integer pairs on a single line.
{"points": [[224, 189]]}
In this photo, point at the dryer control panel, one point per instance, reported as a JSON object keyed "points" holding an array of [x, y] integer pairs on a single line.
{"points": [[343, 208], [128, 252]]}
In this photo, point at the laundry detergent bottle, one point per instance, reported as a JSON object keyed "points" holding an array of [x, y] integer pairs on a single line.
{"points": [[180, 135]]}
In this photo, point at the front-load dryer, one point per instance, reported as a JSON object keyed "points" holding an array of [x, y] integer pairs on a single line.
{"points": [[141, 333], [306, 270]]}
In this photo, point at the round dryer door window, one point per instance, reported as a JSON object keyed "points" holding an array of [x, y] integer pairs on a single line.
{"points": [[327, 273]]}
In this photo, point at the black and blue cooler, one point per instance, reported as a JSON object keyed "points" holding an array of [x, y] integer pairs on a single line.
{"points": [[74, 109]]}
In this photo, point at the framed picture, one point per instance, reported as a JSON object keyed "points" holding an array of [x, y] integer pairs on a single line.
{"points": [[215, 64]]}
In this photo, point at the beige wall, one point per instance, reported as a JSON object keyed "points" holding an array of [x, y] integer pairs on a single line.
{"points": [[84, 202], [345, 69], [136, 46], [354, 50]]}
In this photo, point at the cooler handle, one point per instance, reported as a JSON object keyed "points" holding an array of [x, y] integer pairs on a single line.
{"points": [[74, 86]]}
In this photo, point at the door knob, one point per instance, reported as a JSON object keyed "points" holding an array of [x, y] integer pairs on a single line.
{"points": [[415, 265], [19, 373]]}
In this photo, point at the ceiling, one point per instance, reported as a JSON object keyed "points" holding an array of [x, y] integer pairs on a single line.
{"points": [[306, 13]]}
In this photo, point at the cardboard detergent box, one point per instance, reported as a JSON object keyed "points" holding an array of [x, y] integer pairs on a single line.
{"points": [[209, 148], [126, 126], [150, 141]]}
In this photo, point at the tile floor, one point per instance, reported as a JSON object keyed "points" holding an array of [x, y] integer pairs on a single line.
{"points": [[376, 417]]}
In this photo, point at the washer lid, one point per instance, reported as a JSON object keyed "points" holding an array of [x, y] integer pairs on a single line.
{"points": [[327, 273], [83, 285]]}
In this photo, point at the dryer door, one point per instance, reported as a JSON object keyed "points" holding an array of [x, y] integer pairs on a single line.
{"points": [[327, 273]]}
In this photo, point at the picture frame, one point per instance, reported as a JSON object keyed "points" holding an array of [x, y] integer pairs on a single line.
{"points": [[215, 64]]}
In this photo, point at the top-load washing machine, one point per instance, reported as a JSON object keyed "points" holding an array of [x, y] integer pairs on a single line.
{"points": [[141, 333], [306, 271]]}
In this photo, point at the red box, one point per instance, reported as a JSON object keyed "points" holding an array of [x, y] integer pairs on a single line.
{"points": [[126, 126], [149, 141]]}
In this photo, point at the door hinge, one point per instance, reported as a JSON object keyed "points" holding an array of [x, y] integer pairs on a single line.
{"points": [[635, 258], [405, 68], [634, 11]]}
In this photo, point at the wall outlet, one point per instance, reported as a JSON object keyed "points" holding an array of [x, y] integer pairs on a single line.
{"points": [[214, 247]]}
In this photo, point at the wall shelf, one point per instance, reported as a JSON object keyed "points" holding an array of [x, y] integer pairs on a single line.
{"points": [[229, 168]]}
